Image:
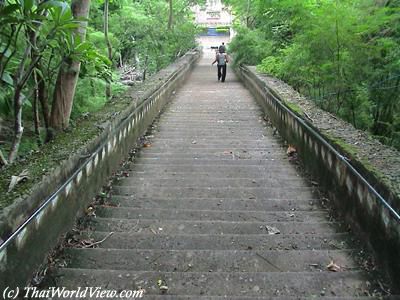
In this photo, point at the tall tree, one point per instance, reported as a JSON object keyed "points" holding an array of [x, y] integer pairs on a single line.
{"points": [[109, 46], [67, 78], [34, 33], [170, 15]]}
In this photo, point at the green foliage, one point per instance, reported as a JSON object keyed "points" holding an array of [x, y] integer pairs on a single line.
{"points": [[90, 95], [342, 54], [28, 144], [144, 39], [39, 36], [271, 65], [222, 30], [98, 40], [6, 92], [248, 48]]}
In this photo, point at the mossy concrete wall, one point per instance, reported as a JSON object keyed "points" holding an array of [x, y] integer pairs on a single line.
{"points": [[81, 178], [356, 200]]}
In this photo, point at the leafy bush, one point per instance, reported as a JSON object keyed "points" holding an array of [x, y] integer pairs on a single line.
{"points": [[248, 48], [99, 41], [271, 65], [89, 96]]}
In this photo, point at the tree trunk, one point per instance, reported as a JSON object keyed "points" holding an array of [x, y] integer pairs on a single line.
{"points": [[248, 14], [67, 78], [18, 129], [36, 78], [43, 99], [109, 47], [145, 67], [35, 109], [170, 15], [3, 161], [20, 80]]}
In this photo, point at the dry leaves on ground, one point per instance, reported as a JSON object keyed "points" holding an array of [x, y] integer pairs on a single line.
{"points": [[272, 230], [23, 176], [291, 150], [333, 267]]}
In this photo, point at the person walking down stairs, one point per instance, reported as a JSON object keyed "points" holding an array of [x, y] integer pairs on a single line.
{"points": [[221, 59]]}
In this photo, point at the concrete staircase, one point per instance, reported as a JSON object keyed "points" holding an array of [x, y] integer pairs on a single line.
{"points": [[214, 209]]}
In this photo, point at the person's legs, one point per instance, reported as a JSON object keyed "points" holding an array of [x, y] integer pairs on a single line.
{"points": [[219, 72], [223, 73]]}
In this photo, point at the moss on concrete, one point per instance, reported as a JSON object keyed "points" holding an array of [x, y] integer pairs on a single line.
{"points": [[49, 156], [349, 149], [352, 152], [294, 107]]}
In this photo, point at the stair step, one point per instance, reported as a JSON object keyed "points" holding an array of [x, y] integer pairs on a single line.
{"points": [[169, 126], [231, 161], [159, 240], [207, 182], [299, 193], [217, 215], [207, 110], [215, 204], [292, 284], [226, 154], [211, 227], [223, 138], [227, 144], [154, 175], [217, 170], [210, 260], [194, 120], [240, 152], [254, 134], [216, 147]]}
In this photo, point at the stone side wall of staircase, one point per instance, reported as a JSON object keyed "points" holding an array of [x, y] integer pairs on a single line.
{"points": [[356, 200]]}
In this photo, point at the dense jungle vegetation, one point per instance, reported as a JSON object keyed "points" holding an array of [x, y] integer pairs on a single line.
{"points": [[62, 59], [343, 54]]}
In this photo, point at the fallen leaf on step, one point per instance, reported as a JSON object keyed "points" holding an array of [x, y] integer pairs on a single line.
{"points": [[162, 285], [147, 145], [90, 211], [84, 243], [291, 150], [333, 267], [18, 179], [272, 230]]}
